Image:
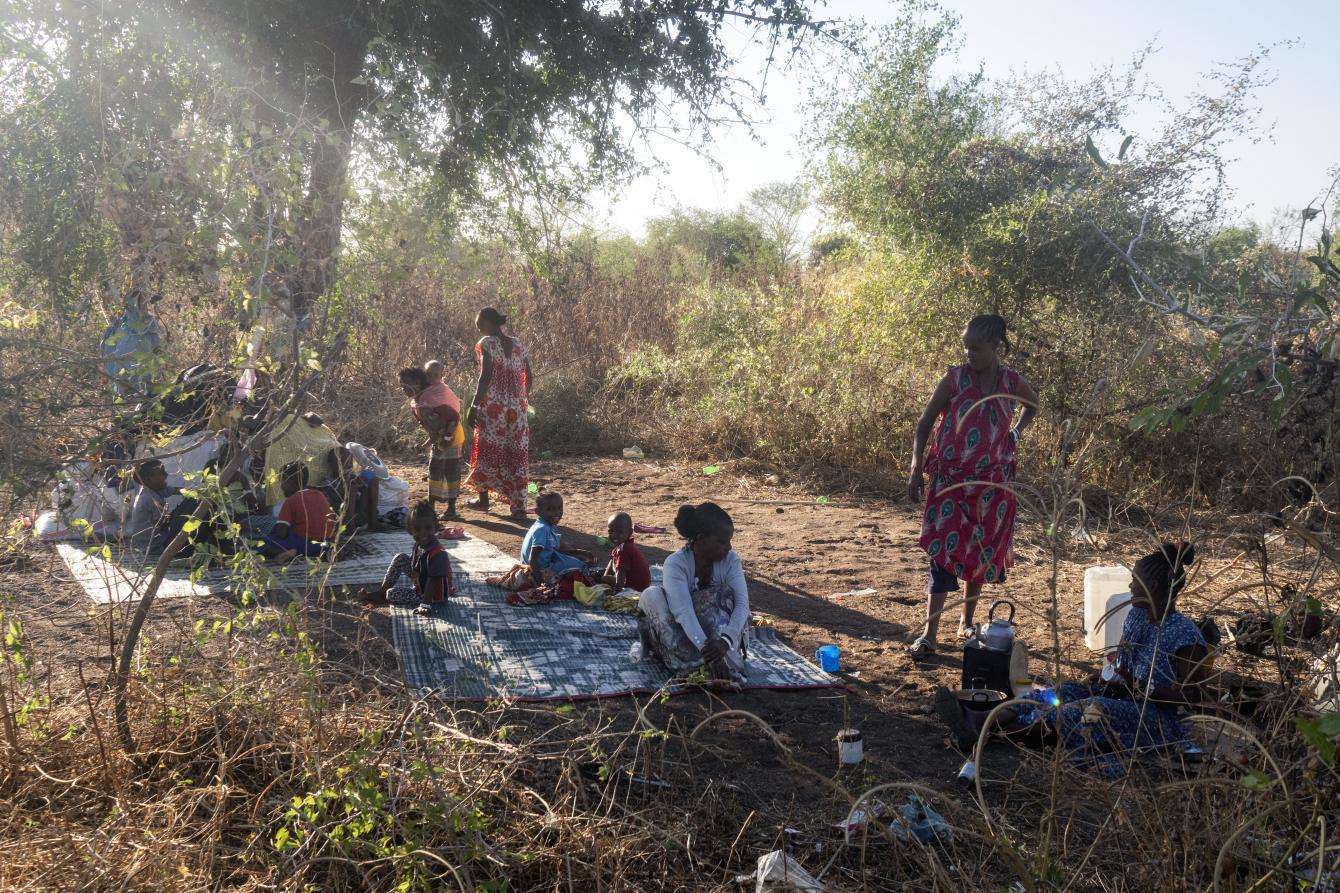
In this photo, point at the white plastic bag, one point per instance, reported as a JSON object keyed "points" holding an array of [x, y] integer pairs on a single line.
{"points": [[392, 494], [780, 873]]}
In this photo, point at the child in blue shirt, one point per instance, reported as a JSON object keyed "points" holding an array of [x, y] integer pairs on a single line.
{"points": [[542, 548]]}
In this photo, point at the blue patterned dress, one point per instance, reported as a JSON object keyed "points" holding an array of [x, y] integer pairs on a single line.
{"points": [[1115, 724]]}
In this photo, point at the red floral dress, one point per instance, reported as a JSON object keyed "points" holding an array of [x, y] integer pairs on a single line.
{"points": [[969, 530], [500, 456]]}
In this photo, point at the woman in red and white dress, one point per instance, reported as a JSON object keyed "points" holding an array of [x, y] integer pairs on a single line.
{"points": [[500, 456]]}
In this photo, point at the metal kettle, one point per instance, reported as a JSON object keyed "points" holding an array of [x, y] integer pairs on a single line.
{"points": [[996, 634]]}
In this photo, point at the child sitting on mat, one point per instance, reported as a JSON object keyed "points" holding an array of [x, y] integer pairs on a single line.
{"points": [[384, 503], [427, 567], [627, 568], [306, 523], [543, 560], [542, 550]]}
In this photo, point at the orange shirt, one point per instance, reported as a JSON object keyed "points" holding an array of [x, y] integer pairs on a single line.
{"points": [[308, 513]]}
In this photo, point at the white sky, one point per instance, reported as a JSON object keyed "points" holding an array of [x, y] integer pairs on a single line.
{"points": [[1287, 169]]}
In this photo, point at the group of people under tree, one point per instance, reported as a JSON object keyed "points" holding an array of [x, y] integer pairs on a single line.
{"points": [[697, 616]]}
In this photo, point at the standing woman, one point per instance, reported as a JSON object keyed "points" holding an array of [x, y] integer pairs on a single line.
{"points": [[968, 527], [500, 457]]}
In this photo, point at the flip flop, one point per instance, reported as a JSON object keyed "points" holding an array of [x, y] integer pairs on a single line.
{"points": [[920, 649], [647, 528], [452, 533]]}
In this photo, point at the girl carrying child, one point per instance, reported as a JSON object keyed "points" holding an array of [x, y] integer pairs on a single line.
{"points": [[438, 411], [968, 527]]}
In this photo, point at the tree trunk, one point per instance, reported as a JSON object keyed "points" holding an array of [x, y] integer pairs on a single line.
{"points": [[336, 103]]}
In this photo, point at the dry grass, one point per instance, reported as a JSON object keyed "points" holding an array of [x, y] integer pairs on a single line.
{"points": [[278, 749]]}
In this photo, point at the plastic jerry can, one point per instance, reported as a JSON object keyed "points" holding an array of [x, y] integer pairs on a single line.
{"points": [[1106, 589]]}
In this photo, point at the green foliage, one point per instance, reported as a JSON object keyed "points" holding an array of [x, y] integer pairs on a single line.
{"points": [[1320, 734], [702, 242]]}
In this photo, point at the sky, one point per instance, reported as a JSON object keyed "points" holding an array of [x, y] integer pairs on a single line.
{"points": [[1286, 169]]}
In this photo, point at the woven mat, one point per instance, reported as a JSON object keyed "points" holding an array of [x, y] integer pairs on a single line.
{"points": [[477, 647], [474, 647], [116, 576]]}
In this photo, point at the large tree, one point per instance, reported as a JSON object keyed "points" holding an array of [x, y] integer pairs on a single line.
{"points": [[487, 92], [295, 93]]}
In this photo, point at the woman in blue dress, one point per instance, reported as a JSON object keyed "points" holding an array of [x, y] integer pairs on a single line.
{"points": [[1161, 662]]}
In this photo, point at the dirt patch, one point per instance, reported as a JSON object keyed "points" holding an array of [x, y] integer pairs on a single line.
{"points": [[800, 550]]}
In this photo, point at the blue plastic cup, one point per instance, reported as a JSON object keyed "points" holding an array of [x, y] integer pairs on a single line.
{"points": [[828, 658]]}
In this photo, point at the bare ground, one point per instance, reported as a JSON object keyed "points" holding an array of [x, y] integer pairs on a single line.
{"points": [[800, 549]]}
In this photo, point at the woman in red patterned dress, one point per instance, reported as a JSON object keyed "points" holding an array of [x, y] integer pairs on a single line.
{"points": [[500, 456], [968, 528]]}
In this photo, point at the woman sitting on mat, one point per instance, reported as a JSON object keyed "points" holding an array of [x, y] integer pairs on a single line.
{"points": [[700, 615], [1161, 662]]}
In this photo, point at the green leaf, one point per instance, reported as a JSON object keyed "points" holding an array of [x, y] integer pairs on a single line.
{"points": [[1256, 781], [532, 489], [822, 500], [1318, 734], [710, 470], [1125, 144], [547, 454]]}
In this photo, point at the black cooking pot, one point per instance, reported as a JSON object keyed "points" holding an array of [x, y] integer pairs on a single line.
{"points": [[975, 703]]}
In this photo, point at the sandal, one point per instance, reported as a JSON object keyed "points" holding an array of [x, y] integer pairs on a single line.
{"points": [[477, 504], [920, 649]]}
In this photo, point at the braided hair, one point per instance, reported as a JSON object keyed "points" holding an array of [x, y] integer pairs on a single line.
{"points": [[423, 512], [414, 374], [1162, 574], [989, 327]]}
